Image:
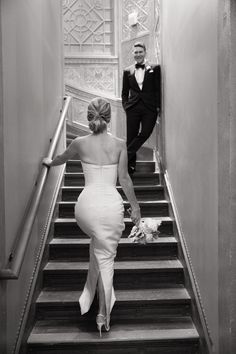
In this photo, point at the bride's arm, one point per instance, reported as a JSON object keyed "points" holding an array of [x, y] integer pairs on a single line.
{"points": [[66, 155], [127, 184]]}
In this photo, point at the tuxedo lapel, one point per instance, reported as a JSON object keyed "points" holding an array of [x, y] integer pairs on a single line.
{"points": [[145, 77], [133, 78]]}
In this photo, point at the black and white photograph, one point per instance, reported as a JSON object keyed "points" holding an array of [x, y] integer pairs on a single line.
{"points": [[117, 176]]}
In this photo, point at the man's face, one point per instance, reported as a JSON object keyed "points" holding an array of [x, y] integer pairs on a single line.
{"points": [[139, 54]]}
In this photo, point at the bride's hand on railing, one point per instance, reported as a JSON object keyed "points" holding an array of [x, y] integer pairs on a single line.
{"points": [[47, 162]]}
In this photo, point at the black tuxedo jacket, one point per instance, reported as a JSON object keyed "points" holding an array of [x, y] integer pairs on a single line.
{"points": [[151, 90]]}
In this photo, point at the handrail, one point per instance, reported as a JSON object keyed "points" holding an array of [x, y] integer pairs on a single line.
{"points": [[17, 254]]}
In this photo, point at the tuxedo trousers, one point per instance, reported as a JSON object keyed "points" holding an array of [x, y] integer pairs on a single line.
{"points": [[140, 122]]}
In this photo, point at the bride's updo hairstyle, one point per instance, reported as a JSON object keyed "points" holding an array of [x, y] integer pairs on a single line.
{"points": [[99, 115]]}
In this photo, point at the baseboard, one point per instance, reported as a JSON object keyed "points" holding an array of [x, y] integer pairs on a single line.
{"points": [[30, 293], [199, 315]]}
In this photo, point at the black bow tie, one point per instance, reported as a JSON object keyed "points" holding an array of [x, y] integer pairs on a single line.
{"points": [[139, 66]]}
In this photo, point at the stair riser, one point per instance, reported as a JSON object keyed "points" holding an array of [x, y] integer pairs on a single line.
{"points": [[122, 280], [142, 347], [141, 167], [124, 252], [72, 229], [129, 312], [67, 210], [157, 194], [71, 180]]}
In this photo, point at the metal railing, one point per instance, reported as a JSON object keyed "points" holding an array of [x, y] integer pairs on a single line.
{"points": [[16, 257]]}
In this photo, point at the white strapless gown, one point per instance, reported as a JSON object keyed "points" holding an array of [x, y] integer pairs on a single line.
{"points": [[99, 212]]}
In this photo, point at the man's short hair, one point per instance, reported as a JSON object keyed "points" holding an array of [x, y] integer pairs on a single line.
{"points": [[140, 44]]}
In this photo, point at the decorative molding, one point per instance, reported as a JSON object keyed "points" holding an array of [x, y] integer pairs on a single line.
{"points": [[84, 94], [157, 32], [88, 26], [81, 60], [37, 263], [99, 78], [190, 271]]}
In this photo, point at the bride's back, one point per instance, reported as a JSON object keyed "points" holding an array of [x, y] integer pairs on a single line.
{"points": [[100, 149]]}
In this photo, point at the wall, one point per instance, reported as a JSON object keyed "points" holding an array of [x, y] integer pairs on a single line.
{"points": [[189, 58], [32, 66], [227, 174], [2, 214]]}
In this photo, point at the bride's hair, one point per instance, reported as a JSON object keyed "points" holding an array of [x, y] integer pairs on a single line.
{"points": [[99, 114]]}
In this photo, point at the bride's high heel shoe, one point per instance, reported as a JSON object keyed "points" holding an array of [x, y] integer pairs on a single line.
{"points": [[101, 321]]}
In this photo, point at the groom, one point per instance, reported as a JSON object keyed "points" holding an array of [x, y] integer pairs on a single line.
{"points": [[141, 100]]}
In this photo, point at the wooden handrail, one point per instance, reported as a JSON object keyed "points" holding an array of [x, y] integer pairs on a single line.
{"points": [[17, 254]]}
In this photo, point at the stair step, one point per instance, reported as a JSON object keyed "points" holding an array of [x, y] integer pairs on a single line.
{"points": [[148, 208], [177, 335], [142, 296], [68, 226], [140, 178], [78, 249], [145, 192], [141, 166], [127, 275], [132, 305]]}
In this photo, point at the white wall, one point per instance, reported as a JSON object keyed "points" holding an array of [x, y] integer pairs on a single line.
{"points": [[227, 174], [32, 81], [189, 49]]}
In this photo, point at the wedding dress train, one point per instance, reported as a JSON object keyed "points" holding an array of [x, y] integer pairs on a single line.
{"points": [[99, 212]]}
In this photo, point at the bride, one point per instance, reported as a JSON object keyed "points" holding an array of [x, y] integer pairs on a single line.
{"points": [[99, 209]]}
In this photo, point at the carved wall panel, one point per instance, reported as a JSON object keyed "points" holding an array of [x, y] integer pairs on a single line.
{"points": [[88, 26], [99, 78], [157, 32], [143, 9]]}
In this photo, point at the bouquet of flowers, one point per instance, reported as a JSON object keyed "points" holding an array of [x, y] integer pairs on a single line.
{"points": [[147, 231]]}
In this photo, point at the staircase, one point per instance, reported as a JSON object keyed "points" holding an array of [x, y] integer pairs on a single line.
{"points": [[153, 309]]}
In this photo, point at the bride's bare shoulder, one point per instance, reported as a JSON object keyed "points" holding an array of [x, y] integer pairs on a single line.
{"points": [[118, 141], [82, 139]]}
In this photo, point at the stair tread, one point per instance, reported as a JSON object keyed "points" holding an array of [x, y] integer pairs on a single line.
{"points": [[137, 162], [123, 241], [121, 265], [59, 332], [140, 295], [145, 202], [136, 187], [126, 220], [137, 173]]}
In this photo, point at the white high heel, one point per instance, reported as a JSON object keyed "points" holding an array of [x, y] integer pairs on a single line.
{"points": [[101, 321]]}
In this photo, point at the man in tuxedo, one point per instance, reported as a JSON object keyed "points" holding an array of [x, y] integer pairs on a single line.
{"points": [[141, 100]]}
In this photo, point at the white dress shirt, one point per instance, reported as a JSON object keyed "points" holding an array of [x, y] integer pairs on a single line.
{"points": [[139, 75]]}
